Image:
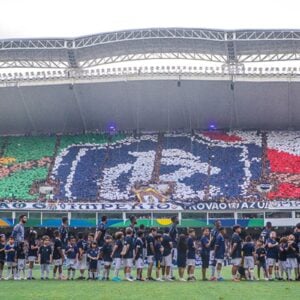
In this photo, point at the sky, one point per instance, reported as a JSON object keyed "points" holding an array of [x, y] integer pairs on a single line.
{"points": [[72, 18]]}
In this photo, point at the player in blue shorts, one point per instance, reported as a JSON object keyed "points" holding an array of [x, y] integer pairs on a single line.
{"points": [[106, 253], [181, 255], [2, 254], [158, 250], [93, 256], [21, 261], [220, 252], [205, 248], [10, 252], [45, 257], [191, 255], [82, 247], [57, 255], [272, 253], [32, 252], [261, 255], [282, 257]]}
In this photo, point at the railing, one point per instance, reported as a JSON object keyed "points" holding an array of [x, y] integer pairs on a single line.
{"points": [[148, 71]]}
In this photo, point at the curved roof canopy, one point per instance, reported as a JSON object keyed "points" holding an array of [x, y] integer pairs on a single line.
{"points": [[228, 47]]}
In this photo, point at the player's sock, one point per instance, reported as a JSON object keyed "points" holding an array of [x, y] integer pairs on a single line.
{"points": [[69, 274], [218, 273], [1, 272], [213, 271], [29, 273], [90, 275], [95, 275], [73, 274], [251, 274], [289, 274], [117, 272], [104, 273]]}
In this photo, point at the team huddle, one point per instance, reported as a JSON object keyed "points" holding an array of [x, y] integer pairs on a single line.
{"points": [[100, 252]]}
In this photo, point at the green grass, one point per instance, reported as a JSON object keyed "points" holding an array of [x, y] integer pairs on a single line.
{"points": [[84, 290]]}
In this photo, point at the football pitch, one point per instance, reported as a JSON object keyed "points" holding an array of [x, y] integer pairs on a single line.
{"points": [[84, 290]]}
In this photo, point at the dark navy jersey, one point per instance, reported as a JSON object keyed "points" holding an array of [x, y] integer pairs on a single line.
{"points": [[33, 252], [272, 252], [248, 249], [220, 244], [56, 248], [101, 228], [261, 254], [93, 252], [106, 252], [191, 249], [21, 254], [292, 251], [2, 253], [117, 253], [150, 242], [10, 256], [265, 235], [82, 244], [130, 242], [64, 234], [166, 244], [236, 239], [45, 253], [138, 248], [204, 241], [158, 253], [173, 233], [282, 252], [297, 238], [214, 233], [71, 251], [134, 231]]}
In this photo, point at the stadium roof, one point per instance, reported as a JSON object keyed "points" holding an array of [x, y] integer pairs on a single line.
{"points": [[225, 46]]}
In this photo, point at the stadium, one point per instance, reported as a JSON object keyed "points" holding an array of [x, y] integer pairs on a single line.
{"points": [[88, 129]]}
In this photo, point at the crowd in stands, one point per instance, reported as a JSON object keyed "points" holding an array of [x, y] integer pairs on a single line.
{"points": [[203, 166]]}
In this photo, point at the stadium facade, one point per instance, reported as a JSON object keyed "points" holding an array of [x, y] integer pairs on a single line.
{"points": [[83, 135]]}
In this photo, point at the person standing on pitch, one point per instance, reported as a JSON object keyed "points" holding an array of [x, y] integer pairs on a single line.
{"points": [[18, 232], [173, 233], [213, 236]]}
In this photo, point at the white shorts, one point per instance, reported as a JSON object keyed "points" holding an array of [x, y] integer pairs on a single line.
{"points": [[99, 263], [70, 263], [82, 264], [191, 262], [139, 263], [118, 263], [21, 264], [271, 262], [11, 264], [211, 257], [292, 263], [282, 265], [31, 258], [220, 261], [150, 259], [248, 262], [236, 261], [167, 261], [57, 262], [107, 263], [128, 262]]}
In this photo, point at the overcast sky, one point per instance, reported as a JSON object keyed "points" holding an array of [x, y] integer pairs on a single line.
{"points": [[69, 18]]}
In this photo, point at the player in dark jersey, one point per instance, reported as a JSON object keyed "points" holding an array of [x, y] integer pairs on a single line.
{"points": [[32, 252], [127, 253], [265, 234], [138, 255], [213, 236], [150, 251], [58, 255], [116, 255], [82, 246], [106, 253], [2, 254], [173, 233], [64, 232], [205, 246], [236, 251], [101, 231], [45, 257]]}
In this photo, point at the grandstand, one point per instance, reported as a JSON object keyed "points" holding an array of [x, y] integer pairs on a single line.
{"points": [[204, 142]]}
